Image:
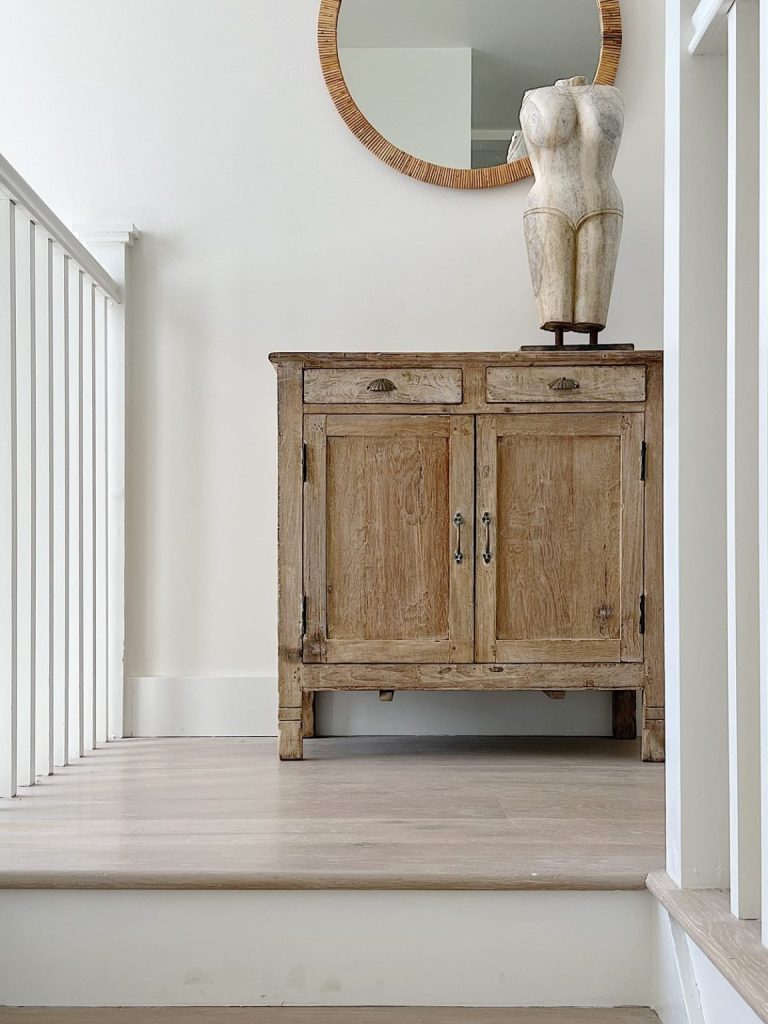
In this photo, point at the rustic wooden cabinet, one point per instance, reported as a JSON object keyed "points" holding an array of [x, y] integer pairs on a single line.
{"points": [[472, 522]]}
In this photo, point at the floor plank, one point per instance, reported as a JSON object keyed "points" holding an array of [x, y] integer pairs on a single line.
{"points": [[435, 813], [329, 1015]]}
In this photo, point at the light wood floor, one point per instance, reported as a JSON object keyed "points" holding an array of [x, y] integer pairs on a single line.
{"points": [[358, 813], [330, 1015]]}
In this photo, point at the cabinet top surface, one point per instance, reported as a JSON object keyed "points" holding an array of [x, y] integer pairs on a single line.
{"points": [[440, 359]]}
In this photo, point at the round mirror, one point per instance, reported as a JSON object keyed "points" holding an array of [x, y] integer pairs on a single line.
{"points": [[434, 87]]}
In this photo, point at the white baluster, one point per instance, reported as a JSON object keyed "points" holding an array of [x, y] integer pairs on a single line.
{"points": [[25, 466], [75, 511], [100, 517], [7, 499], [44, 503], [115, 339], [87, 665], [61, 474]]}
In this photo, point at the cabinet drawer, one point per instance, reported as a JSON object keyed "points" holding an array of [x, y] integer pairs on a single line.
{"points": [[565, 384], [383, 386]]}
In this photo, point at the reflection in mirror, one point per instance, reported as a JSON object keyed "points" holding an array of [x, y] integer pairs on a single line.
{"points": [[443, 80]]}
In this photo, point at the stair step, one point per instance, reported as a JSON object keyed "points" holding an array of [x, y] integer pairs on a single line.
{"points": [[327, 1015]]}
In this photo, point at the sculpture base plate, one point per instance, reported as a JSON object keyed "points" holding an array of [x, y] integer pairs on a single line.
{"points": [[578, 348]]}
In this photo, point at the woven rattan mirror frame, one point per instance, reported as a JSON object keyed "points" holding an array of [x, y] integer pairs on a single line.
{"points": [[422, 170]]}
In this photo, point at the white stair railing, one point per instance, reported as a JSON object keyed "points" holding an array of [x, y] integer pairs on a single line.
{"points": [[61, 492]]}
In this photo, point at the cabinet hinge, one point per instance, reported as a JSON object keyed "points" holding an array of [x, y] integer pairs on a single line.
{"points": [[643, 460], [642, 614], [303, 616], [304, 462]]}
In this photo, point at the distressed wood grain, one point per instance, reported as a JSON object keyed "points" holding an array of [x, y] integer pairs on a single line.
{"points": [[573, 532], [323, 1015], [289, 545], [518, 676], [406, 385], [566, 383]]}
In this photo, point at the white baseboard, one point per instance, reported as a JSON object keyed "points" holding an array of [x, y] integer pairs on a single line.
{"points": [[304, 948], [201, 706], [247, 706]]}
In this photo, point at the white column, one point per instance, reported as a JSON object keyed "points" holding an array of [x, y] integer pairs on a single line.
{"points": [[110, 246], [694, 434], [763, 444], [7, 499], [742, 459]]}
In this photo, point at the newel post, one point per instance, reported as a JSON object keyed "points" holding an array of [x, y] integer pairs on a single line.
{"points": [[110, 244]]}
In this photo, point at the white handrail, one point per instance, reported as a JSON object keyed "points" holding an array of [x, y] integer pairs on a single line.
{"points": [[15, 188]]}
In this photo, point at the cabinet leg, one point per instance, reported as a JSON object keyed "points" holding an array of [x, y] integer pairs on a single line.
{"points": [[291, 746], [625, 714], [308, 715], [653, 734]]}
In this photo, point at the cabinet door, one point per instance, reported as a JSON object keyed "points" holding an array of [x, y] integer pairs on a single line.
{"points": [[559, 537], [388, 538]]}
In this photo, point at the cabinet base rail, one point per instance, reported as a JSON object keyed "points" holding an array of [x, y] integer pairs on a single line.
{"points": [[551, 676]]}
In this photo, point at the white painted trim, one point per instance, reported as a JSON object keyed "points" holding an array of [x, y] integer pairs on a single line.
{"points": [[18, 191], [201, 706], [687, 975], [363, 948], [694, 462], [8, 653], [687, 987], [708, 27], [107, 234], [115, 345], [742, 461], [763, 443]]}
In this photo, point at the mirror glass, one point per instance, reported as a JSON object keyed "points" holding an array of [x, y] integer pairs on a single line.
{"points": [[443, 80]]}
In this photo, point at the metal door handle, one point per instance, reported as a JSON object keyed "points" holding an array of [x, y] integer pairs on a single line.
{"points": [[458, 554], [486, 521]]}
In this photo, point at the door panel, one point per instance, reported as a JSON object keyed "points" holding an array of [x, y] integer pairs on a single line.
{"points": [[560, 519], [381, 579]]}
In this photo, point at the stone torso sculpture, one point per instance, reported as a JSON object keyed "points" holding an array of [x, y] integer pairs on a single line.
{"points": [[574, 213]]}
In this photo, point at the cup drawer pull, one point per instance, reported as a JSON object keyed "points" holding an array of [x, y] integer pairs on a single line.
{"points": [[564, 384], [381, 384]]}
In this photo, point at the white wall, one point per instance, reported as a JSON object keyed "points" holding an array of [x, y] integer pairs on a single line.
{"points": [[420, 98], [266, 225]]}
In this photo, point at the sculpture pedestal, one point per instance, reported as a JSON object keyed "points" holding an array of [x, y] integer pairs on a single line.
{"points": [[577, 348], [592, 345]]}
